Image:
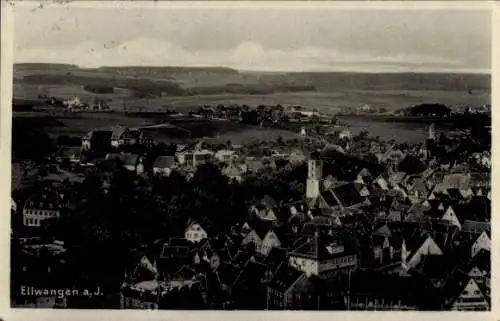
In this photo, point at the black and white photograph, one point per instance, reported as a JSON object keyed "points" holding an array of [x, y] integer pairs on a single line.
{"points": [[253, 156]]}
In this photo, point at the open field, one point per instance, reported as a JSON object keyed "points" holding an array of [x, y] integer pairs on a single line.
{"points": [[325, 102], [157, 88]]}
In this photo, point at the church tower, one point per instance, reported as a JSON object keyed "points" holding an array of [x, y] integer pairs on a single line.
{"points": [[314, 176], [432, 132]]}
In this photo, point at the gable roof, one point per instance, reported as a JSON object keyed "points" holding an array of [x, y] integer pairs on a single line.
{"points": [[347, 195], [384, 230], [365, 173], [117, 131], [397, 178]]}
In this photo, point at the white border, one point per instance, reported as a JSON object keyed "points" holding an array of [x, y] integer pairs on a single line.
{"points": [[5, 117]]}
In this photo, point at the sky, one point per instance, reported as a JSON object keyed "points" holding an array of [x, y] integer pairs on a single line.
{"points": [[274, 38]]}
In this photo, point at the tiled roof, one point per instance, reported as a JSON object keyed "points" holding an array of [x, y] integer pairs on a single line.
{"points": [[384, 230], [285, 277], [252, 273], [117, 131], [347, 194]]}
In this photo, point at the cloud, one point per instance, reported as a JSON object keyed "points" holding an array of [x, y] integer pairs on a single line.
{"points": [[247, 56]]}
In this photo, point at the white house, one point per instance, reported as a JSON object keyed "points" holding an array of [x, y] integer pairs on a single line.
{"points": [[195, 233], [483, 242], [225, 156], [41, 206], [233, 172], [316, 257], [117, 135], [450, 217], [269, 242], [471, 298]]}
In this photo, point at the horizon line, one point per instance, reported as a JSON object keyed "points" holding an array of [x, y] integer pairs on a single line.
{"points": [[287, 71]]}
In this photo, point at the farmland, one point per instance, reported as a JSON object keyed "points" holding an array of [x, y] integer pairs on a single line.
{"points": [[156, 89]]}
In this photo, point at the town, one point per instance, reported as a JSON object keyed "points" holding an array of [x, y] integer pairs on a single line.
{"points": [[333, 220]]}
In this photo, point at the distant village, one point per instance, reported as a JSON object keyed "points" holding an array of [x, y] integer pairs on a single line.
{"points": [[375, 225]]}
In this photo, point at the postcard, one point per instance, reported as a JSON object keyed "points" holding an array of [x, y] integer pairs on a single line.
{"points": [[237, 159]]}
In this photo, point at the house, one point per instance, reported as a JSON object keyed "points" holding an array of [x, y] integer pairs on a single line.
{"points": [[297, 157], [262, 237], [364, 176], [382, 183], [397, 178], [254, 164], [43, 205], [345, 195], [117, 133], [449, 216], [194, 232], [163, 165], [269, 242], [133, 163], [145, 138], [483, 242], [264, 209], [226, 156], [384, 244], [194, 159], [130, 137], [345, 134], [70, 154], [464, 294], [263, 213], [285, 289], [233, 172], [321, 254], [414, 249], [151, 294], [209, 256], [97, 140]]}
